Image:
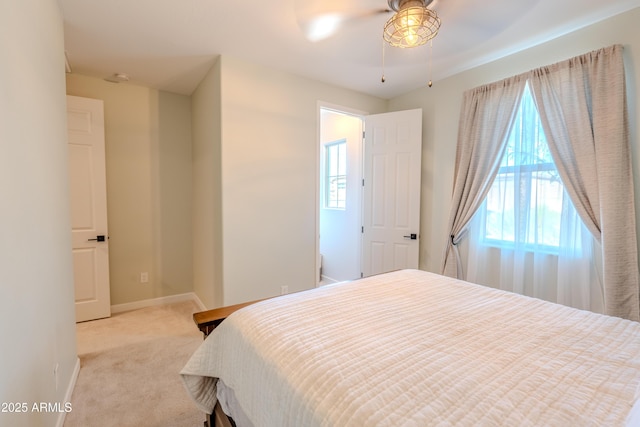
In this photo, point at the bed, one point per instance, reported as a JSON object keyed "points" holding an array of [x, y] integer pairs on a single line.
{"points": [[412, 348]]}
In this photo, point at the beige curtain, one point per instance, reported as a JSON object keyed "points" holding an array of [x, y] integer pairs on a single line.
{"points": [[485, 120], [582, 105], [582, 102]]}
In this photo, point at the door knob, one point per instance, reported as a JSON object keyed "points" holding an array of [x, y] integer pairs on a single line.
{"points": [[411, 236], [99, 238]]}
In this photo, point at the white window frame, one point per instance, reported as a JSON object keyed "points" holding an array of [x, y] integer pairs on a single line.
{"points": [[331, 202], [530, 169]]}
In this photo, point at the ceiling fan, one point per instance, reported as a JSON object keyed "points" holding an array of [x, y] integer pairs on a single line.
{"points": [[412, 24]]}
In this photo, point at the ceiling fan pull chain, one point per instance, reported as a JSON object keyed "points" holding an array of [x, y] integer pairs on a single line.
{"points": [[430, 62], [383, 43]]}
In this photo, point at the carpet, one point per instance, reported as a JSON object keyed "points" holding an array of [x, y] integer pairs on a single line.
{"points": [[129, 369]]}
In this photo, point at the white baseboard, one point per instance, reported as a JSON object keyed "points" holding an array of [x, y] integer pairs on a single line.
{"points": [[67, 396], [328, 280], [190, 296], [199, 302]]}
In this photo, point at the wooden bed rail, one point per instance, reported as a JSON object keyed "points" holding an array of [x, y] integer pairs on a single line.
{"points": [[208, 320]]}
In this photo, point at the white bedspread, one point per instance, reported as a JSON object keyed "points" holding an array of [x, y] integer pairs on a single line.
{"points": [[412, 348]]}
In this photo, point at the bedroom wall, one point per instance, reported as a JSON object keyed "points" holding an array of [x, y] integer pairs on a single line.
{"points": [[207, 196], [149, 193], [268, 176], [441, 109], [37, 320]]}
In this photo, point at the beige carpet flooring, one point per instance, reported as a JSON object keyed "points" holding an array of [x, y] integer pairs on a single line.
{"points": [[129, 369]]}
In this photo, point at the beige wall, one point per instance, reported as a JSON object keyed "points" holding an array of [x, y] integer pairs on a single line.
{"points": [[36, 274], [207, 196], [267, 176], [149, 193], [441, 109]]}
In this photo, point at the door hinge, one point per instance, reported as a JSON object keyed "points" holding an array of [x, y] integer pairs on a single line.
{"points": [[363, 182], [362, 229], [362, 134], [361, 275]]}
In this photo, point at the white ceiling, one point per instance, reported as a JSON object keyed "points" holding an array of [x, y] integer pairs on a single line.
{"points": [[170, 44]]}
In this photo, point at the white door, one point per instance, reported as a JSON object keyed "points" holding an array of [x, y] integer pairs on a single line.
{"points": [[85, 125], [391, 197]]}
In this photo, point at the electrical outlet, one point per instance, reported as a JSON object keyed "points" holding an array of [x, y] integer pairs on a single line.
{"points": [[284, 290], [144, 277]]}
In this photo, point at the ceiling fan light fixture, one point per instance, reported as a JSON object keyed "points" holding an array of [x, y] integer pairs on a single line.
{"points": [[412, 25]]}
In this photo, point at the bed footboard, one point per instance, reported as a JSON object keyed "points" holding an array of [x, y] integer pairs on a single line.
{"points": [[208, 320]]}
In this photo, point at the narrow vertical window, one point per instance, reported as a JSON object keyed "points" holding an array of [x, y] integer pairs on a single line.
{"points": [[336, 174]]}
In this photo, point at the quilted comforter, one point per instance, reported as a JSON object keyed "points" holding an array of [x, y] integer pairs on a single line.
{"points": [[412, 348]]}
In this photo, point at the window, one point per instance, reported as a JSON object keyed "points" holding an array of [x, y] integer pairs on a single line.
{"points": [[336, 174], [525, 203]]}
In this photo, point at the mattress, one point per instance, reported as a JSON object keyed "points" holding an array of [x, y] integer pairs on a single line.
{"points": [[412, 348]]}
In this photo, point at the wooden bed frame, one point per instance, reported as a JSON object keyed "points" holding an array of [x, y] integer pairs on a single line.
{"points": [[219, 418], [207, 321]]}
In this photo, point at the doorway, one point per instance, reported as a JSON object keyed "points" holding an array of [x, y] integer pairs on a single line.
{"points": [[368, 193], [340, 194]]}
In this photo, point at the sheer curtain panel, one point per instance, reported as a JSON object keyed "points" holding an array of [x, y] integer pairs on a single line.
{"points": [[582, 106], [527, 237]]}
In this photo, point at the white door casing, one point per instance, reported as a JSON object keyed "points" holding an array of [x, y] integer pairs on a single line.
{"points": [[88, 194], [391, 197]]}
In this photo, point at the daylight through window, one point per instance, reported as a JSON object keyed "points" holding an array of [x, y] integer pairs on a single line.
{"points": [[525, 203]]}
